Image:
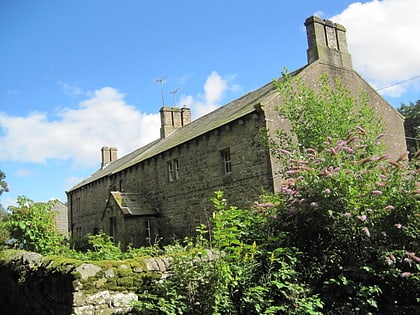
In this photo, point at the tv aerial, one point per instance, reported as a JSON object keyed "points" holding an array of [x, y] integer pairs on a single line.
{"points": [[174, 94], [160, 82]]}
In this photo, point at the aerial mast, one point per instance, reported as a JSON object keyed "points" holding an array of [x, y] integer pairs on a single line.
{"points": [[174, 94], [160, 81]]}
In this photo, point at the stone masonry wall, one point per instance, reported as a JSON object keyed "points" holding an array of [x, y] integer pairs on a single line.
{"points": [[33, 284]]}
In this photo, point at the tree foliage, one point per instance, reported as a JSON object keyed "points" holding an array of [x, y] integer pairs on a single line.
{"points": [[4, 233], [411, 114], [243, 278], [33, 226], [355, 218], [3, 184], [328, 111]]}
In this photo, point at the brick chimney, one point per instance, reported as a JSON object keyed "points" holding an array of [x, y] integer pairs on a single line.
{"points": [[109, 155], [172, 118], [327, 43]]}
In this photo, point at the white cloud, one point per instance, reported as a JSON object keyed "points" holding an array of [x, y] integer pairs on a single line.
{"points": [[104, 119], [71, 90], [214, 89], [383, 41]]}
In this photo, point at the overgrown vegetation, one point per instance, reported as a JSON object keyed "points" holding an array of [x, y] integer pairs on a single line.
{"points": [[330, 111], [340, 237], [32, 227], [4, 233]]}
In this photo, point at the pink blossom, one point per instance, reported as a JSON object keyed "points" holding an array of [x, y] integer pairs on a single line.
{"points": [[389, 261], [407, 260], [301, 201], [366, 230], [390, 207], [348, 150], [347, 215], [360, 129], [383, 177], [414, 257], [376, 192], [285, 151], [398, 225], [362, 217], [265, 205], [293, 172], [327, 191], [341, 143], [314, 205], [405, 274], [332, 151]]}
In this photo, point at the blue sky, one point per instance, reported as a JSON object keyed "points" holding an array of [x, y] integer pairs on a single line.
{"points": [[78, 75]]}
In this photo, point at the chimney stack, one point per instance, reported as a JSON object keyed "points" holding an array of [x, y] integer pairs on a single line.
{"points": [[109, 155], [327, 43], [172, 118]]}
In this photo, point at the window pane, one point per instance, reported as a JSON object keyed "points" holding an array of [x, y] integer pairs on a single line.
{"points": [[227, 163], [170, 171], [176, 164]]}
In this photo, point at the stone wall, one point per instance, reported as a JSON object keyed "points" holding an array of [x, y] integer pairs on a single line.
{"points": [[33, 284]]}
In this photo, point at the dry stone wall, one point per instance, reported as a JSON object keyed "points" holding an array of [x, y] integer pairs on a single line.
{"points": [[33, 284]]}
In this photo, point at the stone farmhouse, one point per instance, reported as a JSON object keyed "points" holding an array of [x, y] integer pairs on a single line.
{"points": [[163, 189]]}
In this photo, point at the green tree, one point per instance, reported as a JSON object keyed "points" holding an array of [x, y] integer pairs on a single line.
{"points": [[4, 234], [33, 227], [315, 114], [411, 114], [350, 210], [3, 184]]}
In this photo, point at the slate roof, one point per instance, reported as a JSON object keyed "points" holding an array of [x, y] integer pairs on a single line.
{"points": [[133, 204]]}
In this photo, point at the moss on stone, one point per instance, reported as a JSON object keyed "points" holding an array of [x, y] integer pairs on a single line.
{"points": [[9, 254], [115, 275], [60, 263]]}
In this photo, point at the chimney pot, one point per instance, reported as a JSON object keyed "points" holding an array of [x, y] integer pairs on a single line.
{"points": [[327, 43], [109, 155], [172, 118]]}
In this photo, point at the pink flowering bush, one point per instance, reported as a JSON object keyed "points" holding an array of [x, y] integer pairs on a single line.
{"points": [[353, 212]]}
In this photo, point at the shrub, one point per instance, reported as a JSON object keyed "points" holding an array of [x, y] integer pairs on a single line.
{"points": [[33, 226], [355, 218], [241, 279]]}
